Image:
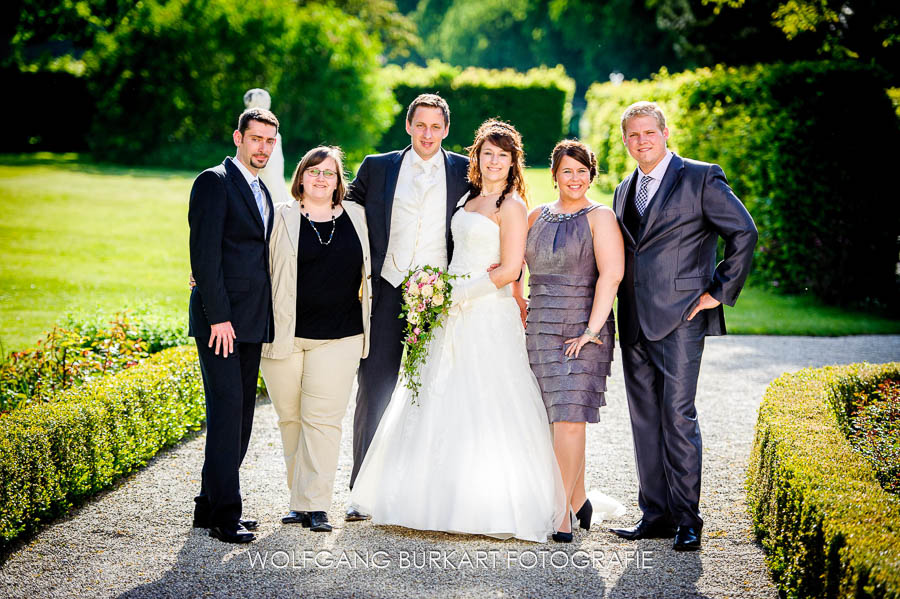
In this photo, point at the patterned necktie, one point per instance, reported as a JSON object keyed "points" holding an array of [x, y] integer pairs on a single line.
{"points": [[260, 200], [641, 200]]}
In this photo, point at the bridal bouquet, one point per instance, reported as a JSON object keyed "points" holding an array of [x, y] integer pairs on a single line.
{"points": [[426, 299]]}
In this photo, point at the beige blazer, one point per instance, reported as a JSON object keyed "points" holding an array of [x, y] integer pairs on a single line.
{"points": [[283, 265]]}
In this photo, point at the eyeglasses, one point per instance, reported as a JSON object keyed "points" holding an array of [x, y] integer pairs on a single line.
{"points": [[315, 172]]}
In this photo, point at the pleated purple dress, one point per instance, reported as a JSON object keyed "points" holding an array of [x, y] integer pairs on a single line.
{"points": [[563, 275]]}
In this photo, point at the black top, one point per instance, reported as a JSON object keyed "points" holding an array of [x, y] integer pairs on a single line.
{"points": [[328, 280]]}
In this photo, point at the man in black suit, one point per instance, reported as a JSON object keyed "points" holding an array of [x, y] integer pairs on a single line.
{"points": [[230, 216], [410, 196], [672, 211]]}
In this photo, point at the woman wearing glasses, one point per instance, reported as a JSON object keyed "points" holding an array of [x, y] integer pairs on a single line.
{"points": [[319, 261]]}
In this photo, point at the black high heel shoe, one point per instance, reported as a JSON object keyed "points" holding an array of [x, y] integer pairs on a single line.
{"points": [[584, 514], [566, 537]]}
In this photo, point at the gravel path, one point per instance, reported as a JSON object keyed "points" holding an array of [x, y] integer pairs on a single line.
{"points": [[135, 540]]}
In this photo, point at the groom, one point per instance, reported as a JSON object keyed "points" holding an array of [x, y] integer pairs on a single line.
{"points": [[671, 211], [231, 216], [409, 196]]}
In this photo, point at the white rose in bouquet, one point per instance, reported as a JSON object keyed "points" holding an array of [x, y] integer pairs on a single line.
{"points": [[427, 291]]}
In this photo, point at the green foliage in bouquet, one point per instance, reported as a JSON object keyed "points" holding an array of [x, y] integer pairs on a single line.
{"points": [[56, 453], [792, 142], [538, 102], [828, 527], [426, 301]]}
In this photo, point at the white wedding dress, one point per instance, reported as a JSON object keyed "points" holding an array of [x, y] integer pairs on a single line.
{"points": [[475, 454]]}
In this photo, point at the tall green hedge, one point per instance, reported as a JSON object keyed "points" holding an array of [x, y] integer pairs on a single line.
{"points": [[169, 80], [828, 527], [538, 102], [793, 141], [56, 453]]}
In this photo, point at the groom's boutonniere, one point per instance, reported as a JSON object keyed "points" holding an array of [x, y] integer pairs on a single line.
{"points": [[426, 299]]}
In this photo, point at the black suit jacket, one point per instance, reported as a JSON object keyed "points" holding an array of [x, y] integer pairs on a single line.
{"points": [[229, 256], [374, 187], [670, 253]]}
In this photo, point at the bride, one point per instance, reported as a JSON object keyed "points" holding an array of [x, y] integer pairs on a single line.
{"points": [[475, 454]]}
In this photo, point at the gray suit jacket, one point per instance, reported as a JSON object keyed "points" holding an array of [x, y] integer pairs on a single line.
{"points": [[670, 253]]}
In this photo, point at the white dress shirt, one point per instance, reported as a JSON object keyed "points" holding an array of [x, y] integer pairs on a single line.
{"points": [[657, 174], [250, 177], [418, 233]]}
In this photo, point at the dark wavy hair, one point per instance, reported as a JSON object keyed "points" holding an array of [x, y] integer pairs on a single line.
{"points": [[505, 136]]}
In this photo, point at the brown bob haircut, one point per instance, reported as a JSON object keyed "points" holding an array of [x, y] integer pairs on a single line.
{"points": [[313, 158]]}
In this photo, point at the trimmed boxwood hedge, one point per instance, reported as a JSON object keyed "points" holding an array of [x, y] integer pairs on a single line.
{"points": [[828, 527], [791, 140], [538, 102], [54, 454]]}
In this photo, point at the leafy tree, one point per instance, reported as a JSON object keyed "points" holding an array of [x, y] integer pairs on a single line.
{"points": [[384, 20], [590, 39], [741, 32], [44, 34], [169, 81]]}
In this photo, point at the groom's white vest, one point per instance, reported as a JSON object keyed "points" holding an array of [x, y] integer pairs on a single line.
{"points": [[418, 218]]}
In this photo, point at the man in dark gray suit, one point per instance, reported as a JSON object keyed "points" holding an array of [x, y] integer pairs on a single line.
{"points": [[410, 196], [672, 211]]}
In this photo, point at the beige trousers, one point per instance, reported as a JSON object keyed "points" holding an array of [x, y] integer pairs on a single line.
{"points": [[310, 391]]}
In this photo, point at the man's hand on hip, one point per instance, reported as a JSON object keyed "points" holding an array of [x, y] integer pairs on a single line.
{"points": [[707, 302], [223, 336]]}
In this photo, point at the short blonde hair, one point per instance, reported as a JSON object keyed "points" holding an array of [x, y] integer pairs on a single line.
{"points": [[644, 108], [317, 156]]}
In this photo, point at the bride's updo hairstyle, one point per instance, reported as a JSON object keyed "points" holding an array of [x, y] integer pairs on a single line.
{"points": [[503, 135], [313, 158], [573, 149]]}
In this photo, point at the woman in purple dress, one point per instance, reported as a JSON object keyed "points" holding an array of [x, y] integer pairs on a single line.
{"points": [[575, 258]]}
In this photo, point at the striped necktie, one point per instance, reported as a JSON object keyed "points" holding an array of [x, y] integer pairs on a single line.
{"points": [[260, 201]]}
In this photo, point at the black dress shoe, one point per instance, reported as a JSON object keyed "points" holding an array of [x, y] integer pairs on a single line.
{"points": [[295, 517], [687, 538], [231, 536], [318, 522], [354, 515], [584, 515], [200, 522], [645, 530], [249, 524]]}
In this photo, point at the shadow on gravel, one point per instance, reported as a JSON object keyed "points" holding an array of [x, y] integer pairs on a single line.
{"points": [[293, 561], [674, 574]]}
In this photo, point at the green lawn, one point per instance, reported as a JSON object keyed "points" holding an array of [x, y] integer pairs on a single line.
{"points": [[77, 237]]}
